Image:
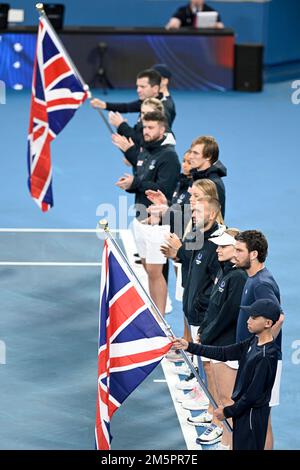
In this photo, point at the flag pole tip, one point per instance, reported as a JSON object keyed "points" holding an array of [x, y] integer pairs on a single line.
{"points": [[39, 6], [103, 224]]}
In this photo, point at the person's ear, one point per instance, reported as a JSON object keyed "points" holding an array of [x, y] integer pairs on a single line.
{"points": [[268, 323], [253, 255]]}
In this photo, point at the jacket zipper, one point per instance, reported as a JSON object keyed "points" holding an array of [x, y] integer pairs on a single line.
{"points": [[250, 417]]}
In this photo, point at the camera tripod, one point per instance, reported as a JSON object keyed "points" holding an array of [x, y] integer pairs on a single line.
{"points": [[101, 76]]}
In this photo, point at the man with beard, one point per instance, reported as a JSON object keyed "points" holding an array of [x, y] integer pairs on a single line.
{"points": [[202, 271], [156, 167], [250, 253]]}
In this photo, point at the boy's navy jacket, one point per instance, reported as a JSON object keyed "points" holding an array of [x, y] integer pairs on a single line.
{"points": [[256, 373]]}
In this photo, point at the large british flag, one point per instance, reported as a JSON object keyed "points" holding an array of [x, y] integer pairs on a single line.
{"points": [[131, 341], [56, 94]]}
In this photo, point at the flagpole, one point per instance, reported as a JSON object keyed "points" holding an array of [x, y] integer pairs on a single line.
{"points": [[104, 224], [41, 11]]}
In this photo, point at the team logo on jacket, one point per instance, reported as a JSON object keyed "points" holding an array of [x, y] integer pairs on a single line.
{"points": [[199, 258], [180, 199], [221, 287], [152, 165]]}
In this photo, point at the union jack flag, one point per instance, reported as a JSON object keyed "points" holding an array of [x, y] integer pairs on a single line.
{"points": [[131, 341], [56, 94]]}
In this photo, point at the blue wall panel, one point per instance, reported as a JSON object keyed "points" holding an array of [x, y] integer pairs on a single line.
{"points": [[283, 32], [274, 23]]}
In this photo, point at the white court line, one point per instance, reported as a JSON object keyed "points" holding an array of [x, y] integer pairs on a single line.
{"points": [[189, 432], [51, 230], [55, 230], [46, 263]]}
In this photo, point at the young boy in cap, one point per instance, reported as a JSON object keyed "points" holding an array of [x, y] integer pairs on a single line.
{"points": [[257, 358]]}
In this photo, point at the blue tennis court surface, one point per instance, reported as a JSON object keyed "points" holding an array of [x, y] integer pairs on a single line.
{"points": [[49, 314]]}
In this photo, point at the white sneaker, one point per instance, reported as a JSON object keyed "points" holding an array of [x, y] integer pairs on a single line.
{"points": [[199, 402], [212, 435], [181, 397], [182, 370], [174, 357], [222, 447], [204, 419], [186, 384]]}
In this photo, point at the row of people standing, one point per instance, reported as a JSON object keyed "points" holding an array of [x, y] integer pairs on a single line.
{"points": [[214, 280]]}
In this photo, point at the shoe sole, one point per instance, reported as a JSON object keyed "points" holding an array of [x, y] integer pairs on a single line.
{"points": [[209, 443], [186, 388], [200, 407], [202, 425], [181, 373], [173, 359]]}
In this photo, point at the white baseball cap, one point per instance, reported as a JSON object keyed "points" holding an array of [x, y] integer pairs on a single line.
{"points": [[223, 240]]}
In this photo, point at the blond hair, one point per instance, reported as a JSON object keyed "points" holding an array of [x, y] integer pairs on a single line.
{"points": [[211, 194], [154, 103], [233, 232]]}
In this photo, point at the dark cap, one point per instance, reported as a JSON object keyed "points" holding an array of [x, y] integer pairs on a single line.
{"points": [[163, 69], [264, 308]]}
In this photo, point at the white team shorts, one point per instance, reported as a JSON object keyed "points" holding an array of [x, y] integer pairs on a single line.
{"points": [[194, 333], [179, 288], [275, 395], [148, 239], [231, 364]]}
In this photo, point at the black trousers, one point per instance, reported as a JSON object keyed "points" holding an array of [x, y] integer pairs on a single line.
{"points": [[250, 429]]}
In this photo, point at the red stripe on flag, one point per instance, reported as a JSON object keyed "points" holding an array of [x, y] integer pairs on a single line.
{"points": [[102, 443], [123, 308], [38, 133], [45, 207], [138, 357], [38, 111], [42, 170], [63, 101], [55, 69], [112, 408]]}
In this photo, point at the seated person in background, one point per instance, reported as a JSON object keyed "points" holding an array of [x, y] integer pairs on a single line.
{"points": [[186, 16]]}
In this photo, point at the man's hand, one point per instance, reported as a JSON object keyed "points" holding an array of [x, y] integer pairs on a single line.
{"points": [[173, 241], [96, 103], [168, 252], [219, 413], [122, 142], [157, 211], [173, 23], [125, 182], [180, 343], [277, 326], [156, 197], [115, 119]]}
